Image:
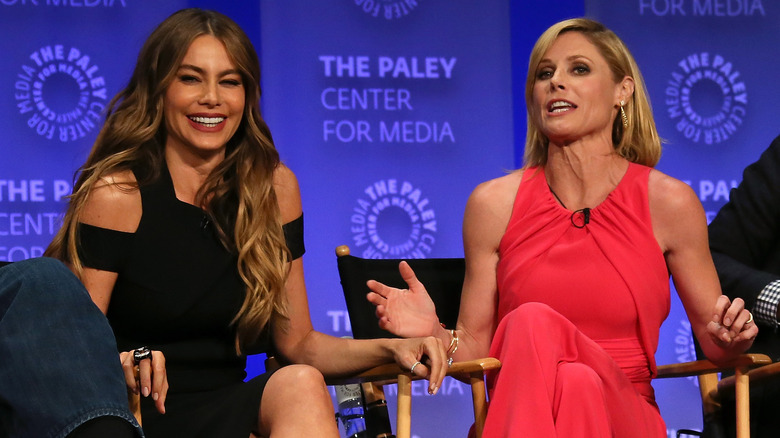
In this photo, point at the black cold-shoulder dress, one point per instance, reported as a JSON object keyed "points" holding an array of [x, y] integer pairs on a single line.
{"points": [[177, 291]]}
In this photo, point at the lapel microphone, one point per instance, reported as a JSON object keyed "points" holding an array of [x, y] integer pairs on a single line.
{"points": [[580, 217]]}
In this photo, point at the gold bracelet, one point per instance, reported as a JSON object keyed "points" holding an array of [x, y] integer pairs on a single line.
{"points": [[453, 343]]}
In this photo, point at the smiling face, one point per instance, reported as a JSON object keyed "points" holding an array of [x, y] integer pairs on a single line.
{"points": [[204, 103], [575, 96]]}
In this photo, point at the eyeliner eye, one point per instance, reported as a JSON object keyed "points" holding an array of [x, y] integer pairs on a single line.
{"points": [[544, 74], [188, 78], [581, 69]]}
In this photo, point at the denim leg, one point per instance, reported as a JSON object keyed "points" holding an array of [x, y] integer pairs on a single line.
{"points": [[59, 365]]}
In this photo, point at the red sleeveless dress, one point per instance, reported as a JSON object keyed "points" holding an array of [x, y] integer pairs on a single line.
{"points": [[579, 307]]}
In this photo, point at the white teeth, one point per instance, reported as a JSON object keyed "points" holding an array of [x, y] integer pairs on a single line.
{"points": [[559, 106], [210, 122]]}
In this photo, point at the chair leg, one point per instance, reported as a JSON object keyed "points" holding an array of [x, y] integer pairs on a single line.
{"points": [[404, 416], [742, 394], [479, 401]]}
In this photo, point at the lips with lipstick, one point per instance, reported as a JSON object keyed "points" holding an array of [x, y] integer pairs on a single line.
{"points": [[208, 122], [560, 106]]}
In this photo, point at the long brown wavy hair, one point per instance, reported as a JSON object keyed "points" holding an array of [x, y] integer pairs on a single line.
{"points": [[241, 199], [639, 143]]}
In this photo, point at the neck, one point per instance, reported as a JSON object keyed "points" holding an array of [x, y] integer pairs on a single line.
{"points": [[583, 178], [188, 175]]}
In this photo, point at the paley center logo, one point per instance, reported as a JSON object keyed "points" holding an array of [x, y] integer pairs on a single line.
{"points": [[387, 9], [393, 220], [61, 93], [706, 98]]}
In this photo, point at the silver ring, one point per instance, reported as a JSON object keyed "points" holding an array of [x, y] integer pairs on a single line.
{"points": [[749, 319], [449, 362], [141, 353], [415, 365]]}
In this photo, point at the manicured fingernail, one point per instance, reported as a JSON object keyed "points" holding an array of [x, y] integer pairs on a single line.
{"points": [[433, 389], [727, 321], [155, 396], [726, 337], [146, 391]]}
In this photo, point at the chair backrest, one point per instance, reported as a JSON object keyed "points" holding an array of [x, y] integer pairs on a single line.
{"points": [[442, 277]]}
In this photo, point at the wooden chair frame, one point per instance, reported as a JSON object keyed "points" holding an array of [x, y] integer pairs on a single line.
{"points": [[711, 389]]}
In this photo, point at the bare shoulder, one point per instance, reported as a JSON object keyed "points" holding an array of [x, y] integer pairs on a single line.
{"points": [[668, 193], [114, 202], [498, 191], [675, 210], [288, 193], [489, 208]]}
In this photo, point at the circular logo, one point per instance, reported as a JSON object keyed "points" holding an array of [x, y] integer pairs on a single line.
{"points": [[395, 220], [61, 93], [684, 347], [387, 9], [706, 98]]}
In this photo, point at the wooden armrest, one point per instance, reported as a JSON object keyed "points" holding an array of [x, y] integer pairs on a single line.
{"points": [[698, 367], [755, 375], [388, 373]]}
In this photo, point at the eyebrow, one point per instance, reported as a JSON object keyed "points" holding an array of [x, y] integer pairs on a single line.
{"points": [[568, 58], [201, 71]]}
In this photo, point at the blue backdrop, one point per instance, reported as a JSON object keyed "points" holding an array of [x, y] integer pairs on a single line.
{"points": [[390, 112]]}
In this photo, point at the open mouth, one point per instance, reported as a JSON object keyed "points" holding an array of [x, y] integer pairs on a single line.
{"points": [[560, 106]]}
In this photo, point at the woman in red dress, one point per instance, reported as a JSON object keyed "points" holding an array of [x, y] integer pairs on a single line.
{"points": [[568, 259]]}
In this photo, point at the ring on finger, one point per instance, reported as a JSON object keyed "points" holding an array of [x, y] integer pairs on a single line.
{"points": [[749, 319], [141, 353], [414, 365]]}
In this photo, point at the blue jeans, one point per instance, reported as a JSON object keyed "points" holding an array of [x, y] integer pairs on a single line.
{"points": [[59, 365]]}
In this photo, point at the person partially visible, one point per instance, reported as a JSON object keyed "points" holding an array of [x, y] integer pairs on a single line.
{"points": [[59, 373], [187, 231], [745, 246], [568, 259]]}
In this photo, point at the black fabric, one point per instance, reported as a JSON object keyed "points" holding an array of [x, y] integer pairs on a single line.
{"points": [[293, 235], [442, 277], [177, 291]]}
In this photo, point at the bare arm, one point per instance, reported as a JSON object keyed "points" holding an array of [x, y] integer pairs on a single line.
{"points": [[487, 215], [298, 342], [680, 227]]}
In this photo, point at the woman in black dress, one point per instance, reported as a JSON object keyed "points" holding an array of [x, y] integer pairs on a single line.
{"points": [[187, 231]]}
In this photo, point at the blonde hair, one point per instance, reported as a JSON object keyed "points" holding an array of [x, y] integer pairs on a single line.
{"points": [[241, 198], [639, 143]]}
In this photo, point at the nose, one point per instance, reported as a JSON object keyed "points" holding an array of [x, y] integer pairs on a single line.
{"points": [[210, 95], [556, 81]]}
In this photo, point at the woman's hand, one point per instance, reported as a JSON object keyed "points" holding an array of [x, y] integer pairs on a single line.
{"points": [[150, 377], [404, 312], [732, 326], [425, 357]]}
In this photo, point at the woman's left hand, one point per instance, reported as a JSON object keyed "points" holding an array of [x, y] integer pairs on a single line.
{"points": [[425, 357], [732, 326]]}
